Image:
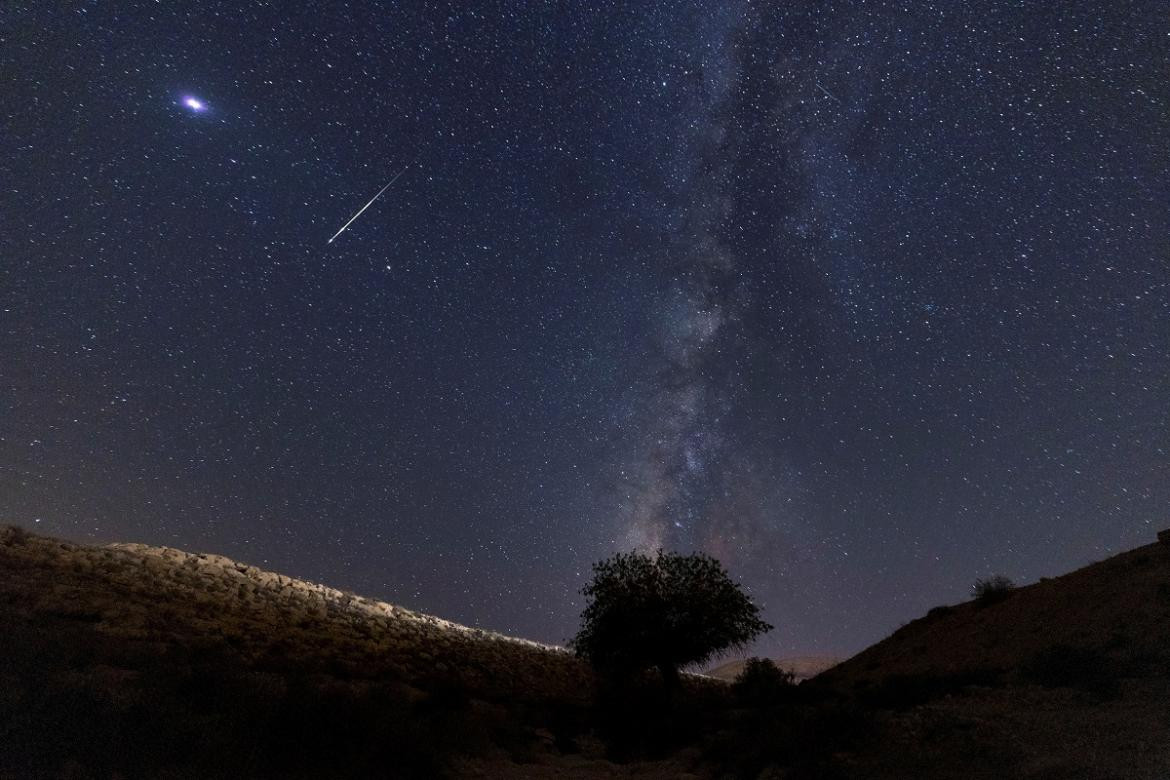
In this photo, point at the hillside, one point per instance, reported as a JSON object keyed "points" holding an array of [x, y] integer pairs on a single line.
{"points": [[1065, 678], [135, 661], [1117, 610], [163, 599], [124, 653]]}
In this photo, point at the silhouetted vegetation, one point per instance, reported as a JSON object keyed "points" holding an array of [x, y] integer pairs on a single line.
{"points": [[991, 590], [664, 612], [734, 731], [762, 682]]}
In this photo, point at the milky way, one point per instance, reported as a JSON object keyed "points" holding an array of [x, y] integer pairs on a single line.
{"points": [[681, 405], [868, 300]]}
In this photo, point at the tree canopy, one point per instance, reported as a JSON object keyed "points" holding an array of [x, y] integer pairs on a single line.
{"points": [[667, 611]]}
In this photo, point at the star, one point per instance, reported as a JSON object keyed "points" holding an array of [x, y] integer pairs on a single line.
{"points": [[776, 289]]}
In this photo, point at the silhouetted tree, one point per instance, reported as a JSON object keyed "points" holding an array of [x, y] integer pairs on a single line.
{"points": [[663, 611]]}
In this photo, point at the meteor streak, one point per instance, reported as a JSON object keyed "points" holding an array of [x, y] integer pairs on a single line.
{"points": [[363, 208], [827, 92]]}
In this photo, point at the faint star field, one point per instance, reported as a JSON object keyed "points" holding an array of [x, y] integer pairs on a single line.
{"points": [[866, 300]]}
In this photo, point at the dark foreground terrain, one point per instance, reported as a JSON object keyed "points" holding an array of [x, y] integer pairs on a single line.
{"points": [[132, 661]]}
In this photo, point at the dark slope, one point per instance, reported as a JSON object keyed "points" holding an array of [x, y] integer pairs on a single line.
{"points": [[1066, 678], [1116, 611]]}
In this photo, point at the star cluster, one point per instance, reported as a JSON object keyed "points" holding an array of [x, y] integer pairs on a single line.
{"points": [[866, 299]]}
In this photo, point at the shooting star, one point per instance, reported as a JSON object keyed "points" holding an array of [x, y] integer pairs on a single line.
{"points": [[827, 92], [363, 208]]}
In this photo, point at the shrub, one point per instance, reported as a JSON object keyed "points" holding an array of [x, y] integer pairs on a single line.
{"points": [[663, 611], [993, 589], [762, 682]]}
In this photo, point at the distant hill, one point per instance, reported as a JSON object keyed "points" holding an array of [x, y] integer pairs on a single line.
{"points": [[802, 667]]}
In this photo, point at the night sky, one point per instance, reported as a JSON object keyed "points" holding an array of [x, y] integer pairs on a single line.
{"points": [[866, 299]]}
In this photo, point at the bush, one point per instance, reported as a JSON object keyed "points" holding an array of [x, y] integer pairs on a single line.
{"points": [[993, 589], [663, 611], [762, 682]]}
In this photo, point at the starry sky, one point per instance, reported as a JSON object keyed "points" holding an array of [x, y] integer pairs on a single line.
{"points": [[866, 299]]}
